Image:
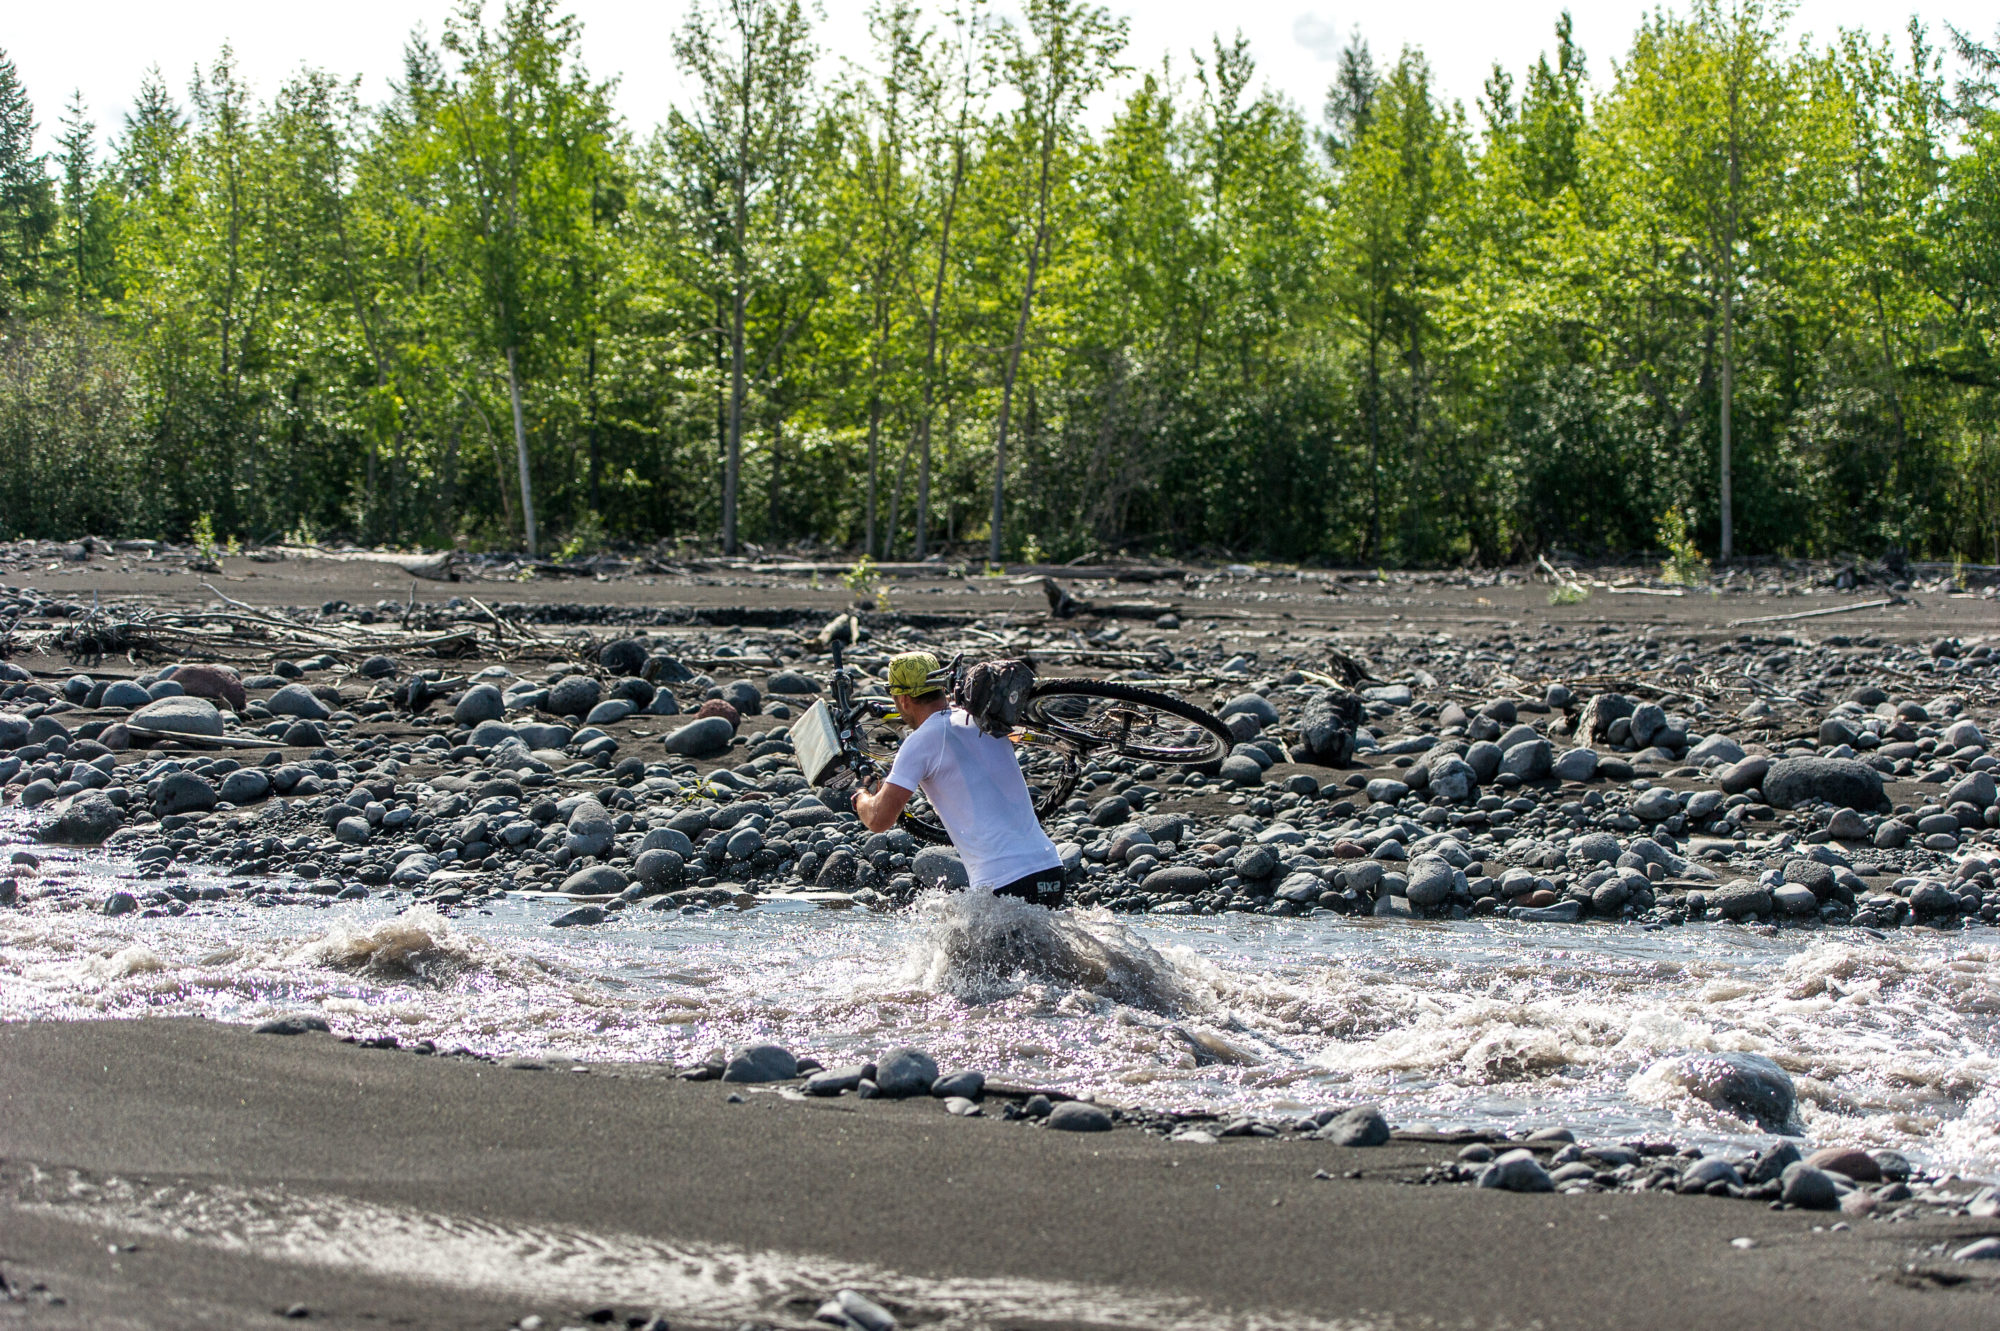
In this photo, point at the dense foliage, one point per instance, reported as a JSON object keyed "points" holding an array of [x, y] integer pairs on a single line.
{"points": [[948, 299]]}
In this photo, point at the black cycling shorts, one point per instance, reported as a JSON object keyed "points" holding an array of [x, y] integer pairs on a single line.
{"points": [[1044, 887]]}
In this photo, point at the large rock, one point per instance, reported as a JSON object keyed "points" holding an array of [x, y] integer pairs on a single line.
{"points": [[626, 656], [183, 792], [761, 1063], [1575, 765], [1744, 774], [1176, 880], [661, 869], [1430, 882], [704, 738], [666, 838], [939, 866], [590, 830], [1076, 1116], [905, 1071], [123, 695], [1453, 779], [1364, 1125], [1808, 1187], [219, 683], [599, 880], [1594, 722], [86, 821], [1251, 704], [1326, 729], [246, 785], [295, 700], [481, 702], [574, 695], [1517, 1171], [1530, 760], [1978, 789], [1840, 781], [1748, 1085], [1740, 900], [1715, 748], [180, 716]]}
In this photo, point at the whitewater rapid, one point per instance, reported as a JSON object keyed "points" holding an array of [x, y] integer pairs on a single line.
{"points": [[1892, 1042]]}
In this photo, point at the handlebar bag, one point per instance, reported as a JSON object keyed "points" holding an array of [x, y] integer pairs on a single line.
{"points": [[995, 693]]}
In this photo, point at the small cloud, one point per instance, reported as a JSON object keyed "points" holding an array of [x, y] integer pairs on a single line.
{"points": [[1317, 35]]}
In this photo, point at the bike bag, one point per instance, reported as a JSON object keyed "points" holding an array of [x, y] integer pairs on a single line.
{"points": [[995, 693], [817, 745]]}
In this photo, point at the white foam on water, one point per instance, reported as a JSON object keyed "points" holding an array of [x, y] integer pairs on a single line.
{"points": [[553, 1264], [1891, 1043]]}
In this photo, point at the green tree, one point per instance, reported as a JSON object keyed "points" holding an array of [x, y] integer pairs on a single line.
{"points": [[745, 145], [1068, 51]]}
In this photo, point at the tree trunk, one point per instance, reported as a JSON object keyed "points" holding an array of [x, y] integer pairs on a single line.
{"points": [[922, 544], [874, 468], [521, 453], [732, 462], [1020, 341]]}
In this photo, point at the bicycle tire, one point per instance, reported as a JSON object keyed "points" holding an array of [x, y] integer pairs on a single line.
{"points": [[1041, 713]]}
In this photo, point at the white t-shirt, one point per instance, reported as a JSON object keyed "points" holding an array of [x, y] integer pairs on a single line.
{"points": [[976, 786]]}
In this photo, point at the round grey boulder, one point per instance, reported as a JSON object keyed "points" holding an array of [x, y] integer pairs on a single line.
{"points": [[124, 695], [1430, 880], [180, 716], [627, 656], [939, 866], [599, 880], [1363, 1125], [744, 696], [700, 739], [88, 820], [1839, 781], [659, 868], [574, 695], [761, 1063], [481, 702], [666, 838], [905, 1071], [1076, 1116], [1175, 880], [590, 830], [246, 785], [1808, 1188], [1252, 704], [295, 700], [184, 792], [1575, 765], [1749, 1085], [1517, 1171]]}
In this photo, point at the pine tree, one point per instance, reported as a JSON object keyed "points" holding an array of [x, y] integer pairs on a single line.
{"points": [[26, 209]]}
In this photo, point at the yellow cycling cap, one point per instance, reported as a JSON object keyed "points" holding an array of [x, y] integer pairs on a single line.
{"points": [[909, 674]]}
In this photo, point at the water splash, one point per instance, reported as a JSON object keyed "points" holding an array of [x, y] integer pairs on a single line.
{"points": [[979, 947]]}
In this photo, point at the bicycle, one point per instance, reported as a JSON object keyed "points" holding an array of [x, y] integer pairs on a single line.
{"points": [[1064, 724]]}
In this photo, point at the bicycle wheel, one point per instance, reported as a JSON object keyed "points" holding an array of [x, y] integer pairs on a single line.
{"points": [[1139, 723]]}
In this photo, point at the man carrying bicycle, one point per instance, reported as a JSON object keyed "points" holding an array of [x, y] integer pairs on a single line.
{"points": [[973, 782]]}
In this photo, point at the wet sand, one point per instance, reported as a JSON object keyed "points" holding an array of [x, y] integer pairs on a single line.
{"points": [[222, 1154]]}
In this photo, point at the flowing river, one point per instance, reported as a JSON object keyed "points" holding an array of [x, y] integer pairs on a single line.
{"points": [[1892, 1041]]}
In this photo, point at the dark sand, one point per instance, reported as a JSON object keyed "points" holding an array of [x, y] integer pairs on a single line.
{"points": [[1223, 1233]]}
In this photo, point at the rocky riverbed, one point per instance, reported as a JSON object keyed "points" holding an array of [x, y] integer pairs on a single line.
{"points": [[1646, 775], [1800, 816]]}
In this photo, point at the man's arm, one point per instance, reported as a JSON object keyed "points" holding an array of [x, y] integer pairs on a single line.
{"points": [[879, 807]]}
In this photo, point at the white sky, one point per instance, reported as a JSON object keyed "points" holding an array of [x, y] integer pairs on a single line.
{"points": [[104, 47]]}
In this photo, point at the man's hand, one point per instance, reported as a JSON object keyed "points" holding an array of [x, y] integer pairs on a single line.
{"points": [[879, 804]]}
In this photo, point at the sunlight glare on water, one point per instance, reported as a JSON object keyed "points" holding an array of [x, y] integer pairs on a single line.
{"points": [[1892, 1042]]}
